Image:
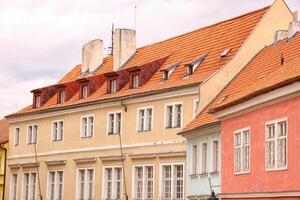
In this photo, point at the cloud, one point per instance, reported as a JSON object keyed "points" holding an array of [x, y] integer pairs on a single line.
{"points": [[42, 40]]}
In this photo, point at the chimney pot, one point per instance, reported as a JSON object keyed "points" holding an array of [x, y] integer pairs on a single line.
{"points": [[92, 55], [124, 47]]}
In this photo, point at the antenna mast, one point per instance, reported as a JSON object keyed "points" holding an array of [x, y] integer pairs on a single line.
{"points": [[111, 48]]}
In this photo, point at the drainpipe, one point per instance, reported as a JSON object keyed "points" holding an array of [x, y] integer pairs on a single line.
{"points": [[4, 179]]}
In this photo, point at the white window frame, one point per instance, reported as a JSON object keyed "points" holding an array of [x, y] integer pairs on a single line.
{"points": [[195, 106], [84, 91], [195, 155], [172, 164], [36, 136], [11, 187], [276, 122], [206, 158], [37, 101], [135, 81], [144, 180], [113, 86], [173, 115], [241, 131], [82, 134], [145, 121], [86, 182], [17, 138], [113, 184], [213, 169], [115, 124], [55, 183], [58, 129], [62, 96], [29, 187]]}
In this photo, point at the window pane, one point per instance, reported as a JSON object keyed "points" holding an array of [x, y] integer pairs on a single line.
{"points": [[194, 169], [169, 116], [118, 123], [149, 119], [139, 182], [14, 183], [91, 126], [215, 156], [204, 158], [111, 123], [167, 181], [178, 115], [178, 181]]}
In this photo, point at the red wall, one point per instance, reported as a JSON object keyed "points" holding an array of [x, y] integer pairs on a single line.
{"points": [[260, 180]]}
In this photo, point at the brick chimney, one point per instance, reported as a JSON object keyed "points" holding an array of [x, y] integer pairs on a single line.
{"points": [[294, 26], [124, 47], [92, 56]]}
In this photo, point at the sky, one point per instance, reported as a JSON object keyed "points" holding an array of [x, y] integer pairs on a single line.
{"points": [[41, 40]]}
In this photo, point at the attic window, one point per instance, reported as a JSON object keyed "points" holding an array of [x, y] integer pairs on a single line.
{"points": [[61, 96], [166, 75], [84, 91], [135, 79], [191, 67], [167, 72], [225, 53], [113, 86], [37, 101]]}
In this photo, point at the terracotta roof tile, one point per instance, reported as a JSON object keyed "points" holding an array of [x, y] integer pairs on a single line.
{"points": [[211, 40], [262, 74]]}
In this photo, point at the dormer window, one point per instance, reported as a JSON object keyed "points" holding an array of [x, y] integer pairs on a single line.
{"points": [[190, 70], [37, 101], [168, 71], [191, 67], [113, 86], [225, 53], [61, 96], [84, 91], [135, 81], [166, 75]]}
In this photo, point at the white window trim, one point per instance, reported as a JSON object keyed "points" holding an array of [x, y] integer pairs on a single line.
{"points": [[107, 122], [212, 156], [27, 134], [17, 188], [23, 184], [77, 180], [195, 107], [241, 131], [194, 160], [201, 159], [113, 185], [144, 184], [48, 181], [137, 119], [173, 115], [52, 131], [81, 133], [276, 130], [172, 177], [14, 141]]}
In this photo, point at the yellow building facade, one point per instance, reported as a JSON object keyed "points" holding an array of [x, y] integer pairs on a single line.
{"points": [[96, 145]]}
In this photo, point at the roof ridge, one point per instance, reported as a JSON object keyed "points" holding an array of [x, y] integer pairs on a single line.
{"points": [[208, 26]]}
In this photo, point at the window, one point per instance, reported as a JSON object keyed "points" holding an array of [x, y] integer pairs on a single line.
{"points": [[112, 183], [114, 123], [32, 134], [87, 126], [204, 158], [57, 130], [84, 91], [215, 165], [85, 184], [17, 137], [165, 75], [276, 145], [37, 101], [242, 151], [190, 69], [196, 104], [62, 96], [30, 186], [135, 81], [55, 185], [14, 186], [143, 182], [172, 182], [145, 119], [113, 86], [195, 159], [173, 115]]}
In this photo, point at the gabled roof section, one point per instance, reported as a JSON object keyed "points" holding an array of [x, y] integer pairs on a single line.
{"points": [[262, 74], [186, 48], [4, 131]]}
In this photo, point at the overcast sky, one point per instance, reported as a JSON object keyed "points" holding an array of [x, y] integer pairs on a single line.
{"points": [[41, 40]]}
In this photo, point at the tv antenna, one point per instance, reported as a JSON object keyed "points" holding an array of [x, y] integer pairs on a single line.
{"points": [[111, 48]]}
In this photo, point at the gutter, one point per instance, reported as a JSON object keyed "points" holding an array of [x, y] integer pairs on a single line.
{"points": [[182, 133], [102, 101]]}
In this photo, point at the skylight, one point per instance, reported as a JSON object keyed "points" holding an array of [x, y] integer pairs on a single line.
{"points": [[225, 52]]}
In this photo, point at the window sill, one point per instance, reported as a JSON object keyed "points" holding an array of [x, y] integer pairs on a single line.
{"points": [[194, 176], [57, 140], [203, 174], [276, 169], [241, 173], [113, 134], [86, 137], [31, 143], [214, 173], [169, 128], [144, 131]]}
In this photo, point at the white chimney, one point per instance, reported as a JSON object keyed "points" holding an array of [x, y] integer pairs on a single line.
{"points": [[280, 35], [294, 26], [92, 55], [124, 47]]}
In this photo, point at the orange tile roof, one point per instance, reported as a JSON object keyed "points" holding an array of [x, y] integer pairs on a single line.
{"points": [[262, 74], [4, 131], [211, 40]]}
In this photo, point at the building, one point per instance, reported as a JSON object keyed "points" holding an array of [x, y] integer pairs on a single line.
{"points": [[204, 149], [257, 116], [108, 127], [3, 149]]}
